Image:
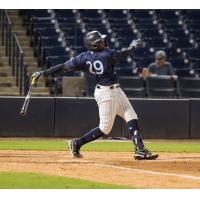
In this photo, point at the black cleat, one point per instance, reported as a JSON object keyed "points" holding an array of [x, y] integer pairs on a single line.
{"points": [[145, 155], [74, 149]]}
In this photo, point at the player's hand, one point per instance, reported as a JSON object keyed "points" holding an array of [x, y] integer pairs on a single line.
{"points": [[37, 75], [136, 43]]}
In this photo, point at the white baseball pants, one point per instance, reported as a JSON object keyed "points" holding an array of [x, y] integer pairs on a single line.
{"points": [[112, 102]]}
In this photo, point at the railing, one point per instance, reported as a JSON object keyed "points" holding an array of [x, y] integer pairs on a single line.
{"points": [[13, 50]]}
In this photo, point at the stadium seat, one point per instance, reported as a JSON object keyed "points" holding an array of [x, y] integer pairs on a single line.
{"points": [[51, 51], [161, 87], [189, 87], [133, 86], [168, 15], [177, 32], [184, 72]]}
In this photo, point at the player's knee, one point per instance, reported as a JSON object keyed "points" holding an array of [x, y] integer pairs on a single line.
{"points": [[130, 116], [106, 129]]}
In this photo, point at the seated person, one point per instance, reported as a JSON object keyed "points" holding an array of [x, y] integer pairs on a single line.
{"points": [[160, 67]]}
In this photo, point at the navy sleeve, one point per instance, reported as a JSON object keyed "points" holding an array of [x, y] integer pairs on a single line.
{"points": [[75, 64], [118, 55]]}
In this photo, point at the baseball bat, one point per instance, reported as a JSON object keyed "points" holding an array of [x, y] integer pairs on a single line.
{"points": [[27, 99]]}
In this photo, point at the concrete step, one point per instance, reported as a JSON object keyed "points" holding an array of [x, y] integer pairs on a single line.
{"points": [[10, 90], [7, 70], [41, 94], [13, 90], [17, 26], [20, 32], [16, 21], [5, 93], [29, 59], [29, 54], [33, 64], [40, 90], [7, 81], [24, 42], [12, 11], [23, 37]]}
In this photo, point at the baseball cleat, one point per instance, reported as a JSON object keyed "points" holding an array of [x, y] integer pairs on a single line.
{"points": [[74, 149], [145, 155]]}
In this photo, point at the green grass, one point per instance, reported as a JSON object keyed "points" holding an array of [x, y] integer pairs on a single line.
{"points": [[60, 145], [40, 181]]}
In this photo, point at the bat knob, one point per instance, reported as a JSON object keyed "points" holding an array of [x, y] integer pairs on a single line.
{"points": [[22, 113]]}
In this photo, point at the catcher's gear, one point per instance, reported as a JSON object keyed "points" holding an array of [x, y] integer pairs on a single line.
{"points": [[95, 41], [74, 149], [145, 155], [136, 43]]}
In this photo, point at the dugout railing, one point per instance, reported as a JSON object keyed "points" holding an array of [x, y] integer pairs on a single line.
{"points": [[13, 50]]}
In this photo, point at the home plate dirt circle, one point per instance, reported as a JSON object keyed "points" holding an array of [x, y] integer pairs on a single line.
{"points": [[170, 170]]}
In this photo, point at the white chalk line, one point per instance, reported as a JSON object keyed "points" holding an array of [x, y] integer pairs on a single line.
{"points": [[125, 168], [197, 178]]}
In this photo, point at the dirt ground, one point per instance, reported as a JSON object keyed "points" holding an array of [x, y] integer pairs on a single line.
{"points": [[171, 170]]}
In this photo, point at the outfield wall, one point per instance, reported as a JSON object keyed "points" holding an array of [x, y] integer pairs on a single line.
{"points": [[72, 117]]}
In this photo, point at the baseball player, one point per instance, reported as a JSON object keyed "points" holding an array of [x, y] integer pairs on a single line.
{"points": [[100, 61]]}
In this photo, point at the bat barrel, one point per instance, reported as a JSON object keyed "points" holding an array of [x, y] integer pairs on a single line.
{"points": [[25, 106]]}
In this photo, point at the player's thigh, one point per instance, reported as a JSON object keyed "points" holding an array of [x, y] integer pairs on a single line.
{"points": [[125, 109], [107, 111]]}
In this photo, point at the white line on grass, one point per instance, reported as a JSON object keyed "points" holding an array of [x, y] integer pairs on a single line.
{"points": [[197, 178]]}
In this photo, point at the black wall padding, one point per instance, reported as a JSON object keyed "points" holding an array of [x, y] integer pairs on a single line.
{"points": [[161, 119], [39, 121], [74, 117], [195, 119]]}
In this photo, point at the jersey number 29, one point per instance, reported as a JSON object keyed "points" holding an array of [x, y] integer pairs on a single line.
{"points": [[96, 67]]}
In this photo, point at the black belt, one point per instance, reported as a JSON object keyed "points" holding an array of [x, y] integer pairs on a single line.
{"points": [[111, 87]]}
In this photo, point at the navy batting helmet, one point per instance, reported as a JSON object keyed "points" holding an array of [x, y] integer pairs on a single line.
{"points": [[95, 41]]}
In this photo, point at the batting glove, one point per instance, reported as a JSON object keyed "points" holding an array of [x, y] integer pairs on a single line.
{"points": [[136, 43], [37, 75]]}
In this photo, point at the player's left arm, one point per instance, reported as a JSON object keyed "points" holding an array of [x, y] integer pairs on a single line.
{"points": [[119, 55]]}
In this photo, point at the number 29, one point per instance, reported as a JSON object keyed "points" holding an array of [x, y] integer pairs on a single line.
{"points": [[96, 67]]}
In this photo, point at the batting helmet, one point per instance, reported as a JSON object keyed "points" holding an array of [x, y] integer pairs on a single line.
{"points": [[95, 41]]}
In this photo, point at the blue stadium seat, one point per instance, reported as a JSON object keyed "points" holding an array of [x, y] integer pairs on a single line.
{"points": [[184, 72], [161, 87], [178, 62], [176, 33], [67, 20], [133, 86], [51, 51], [116, 13], [171, 16], [150, 33], [142, 15], [182, 43], [55, 60], [189, 87], [64, 13], [192, 15]]}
